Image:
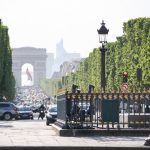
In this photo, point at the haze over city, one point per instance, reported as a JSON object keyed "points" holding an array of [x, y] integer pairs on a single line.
{"points": [[43, 23]]}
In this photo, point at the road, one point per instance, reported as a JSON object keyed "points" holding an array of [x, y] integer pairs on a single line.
{"points": [[36, 133]]}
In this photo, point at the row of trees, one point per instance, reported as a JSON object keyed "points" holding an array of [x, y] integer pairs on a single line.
{"points": [[7, 81], [129, 52]]}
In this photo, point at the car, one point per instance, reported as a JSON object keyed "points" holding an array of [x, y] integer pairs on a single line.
{"points": [[51, 115], [84, 106], [25, 112], [86, 110], [8, 110], [35, 109]]}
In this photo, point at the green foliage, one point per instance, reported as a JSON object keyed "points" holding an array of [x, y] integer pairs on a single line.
{"points": [[127, 53], [51, 86], [7, 81]]}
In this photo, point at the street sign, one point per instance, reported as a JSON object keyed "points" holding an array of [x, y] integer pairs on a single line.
{"points": [[124, 87]]}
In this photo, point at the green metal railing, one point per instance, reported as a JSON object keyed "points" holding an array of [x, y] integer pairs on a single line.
{"points": [[104, 110]]}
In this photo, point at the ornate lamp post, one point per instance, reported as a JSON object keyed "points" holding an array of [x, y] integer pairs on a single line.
{"points": [[102, 32]]}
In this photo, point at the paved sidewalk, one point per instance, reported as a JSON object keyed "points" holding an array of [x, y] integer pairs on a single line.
{"points": [[38, 134]]}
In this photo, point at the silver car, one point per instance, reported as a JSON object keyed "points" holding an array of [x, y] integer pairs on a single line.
{"points": [[51, 115], [8, 110]]}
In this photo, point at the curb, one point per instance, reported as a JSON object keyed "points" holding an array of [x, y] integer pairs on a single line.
{"points": [[100, 132], [73, 148]]}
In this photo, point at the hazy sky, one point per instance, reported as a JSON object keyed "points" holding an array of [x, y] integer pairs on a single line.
{"points": [[43, 23]]}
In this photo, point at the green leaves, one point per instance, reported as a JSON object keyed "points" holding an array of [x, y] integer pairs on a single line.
{"points": [[7, 81]]}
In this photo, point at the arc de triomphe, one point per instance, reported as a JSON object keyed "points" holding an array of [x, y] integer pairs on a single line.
{"points": [[34, 56]]}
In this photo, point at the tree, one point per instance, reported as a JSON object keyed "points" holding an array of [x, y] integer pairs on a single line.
{"points": [[7, 81]]}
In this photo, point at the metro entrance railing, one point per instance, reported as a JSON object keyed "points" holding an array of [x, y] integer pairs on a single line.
{"points": [[104, 110]]}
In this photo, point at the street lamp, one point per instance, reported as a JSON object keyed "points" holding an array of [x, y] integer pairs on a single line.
{"points": [[102, 32]]}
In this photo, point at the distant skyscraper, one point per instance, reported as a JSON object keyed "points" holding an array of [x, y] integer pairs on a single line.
{"points": [[60, 51], [62, 56]]}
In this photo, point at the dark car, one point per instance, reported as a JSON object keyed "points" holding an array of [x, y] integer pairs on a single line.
{"points": [[51, 115], [25, 112], [8, 110], [35, 109]]}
